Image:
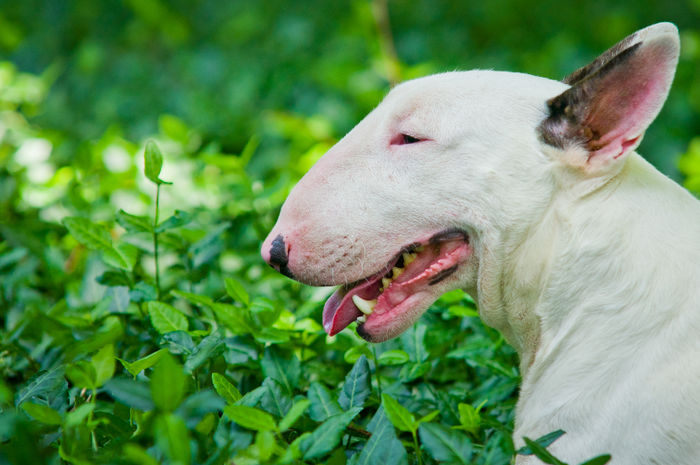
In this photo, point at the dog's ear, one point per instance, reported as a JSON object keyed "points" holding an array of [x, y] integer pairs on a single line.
{"points": [[612, 100]]}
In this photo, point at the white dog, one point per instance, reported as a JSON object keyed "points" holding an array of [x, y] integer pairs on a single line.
{"points": [[528, 194]]}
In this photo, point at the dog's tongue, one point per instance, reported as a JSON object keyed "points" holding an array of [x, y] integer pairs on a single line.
{"points": [[340, 311]]}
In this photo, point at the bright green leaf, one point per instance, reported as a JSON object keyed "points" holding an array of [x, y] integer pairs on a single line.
{"points": [[153, 160], [143, 363], [42, 413], [250, 417], [236, 291], [82, 374], [166, 318], [103, 362], [225, 389], [172, 438], [393, 357], [89, 234], [399, 416], [167, 383], [293, 414]]}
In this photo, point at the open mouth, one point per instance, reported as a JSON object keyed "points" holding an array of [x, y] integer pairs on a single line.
{"points": [[386, 303]]}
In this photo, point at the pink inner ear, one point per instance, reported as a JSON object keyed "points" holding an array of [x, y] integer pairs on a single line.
{"points": [[627, 99]]}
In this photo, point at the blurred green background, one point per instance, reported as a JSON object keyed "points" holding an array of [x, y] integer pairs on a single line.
{"points": [[242, 97]]}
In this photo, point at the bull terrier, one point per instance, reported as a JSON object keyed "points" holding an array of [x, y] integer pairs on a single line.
{"points": [[528, 194]]}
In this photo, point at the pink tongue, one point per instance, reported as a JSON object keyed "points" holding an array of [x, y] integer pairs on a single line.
{"points": [[340, 311]]}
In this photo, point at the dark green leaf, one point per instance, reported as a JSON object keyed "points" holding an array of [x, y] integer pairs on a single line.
{"points": [[134, 394], [445, 444], [541, 453], [210, 347], [600, 460], [543, 441], [357, 385], [327, 435], [284, 368], [275, 400], [383, 446], [323, 405]]}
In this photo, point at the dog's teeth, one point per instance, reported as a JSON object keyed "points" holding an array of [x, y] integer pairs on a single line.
{"points": [[408, 258], [396, 272], [385, 283], [365, 306], [361, 319]]}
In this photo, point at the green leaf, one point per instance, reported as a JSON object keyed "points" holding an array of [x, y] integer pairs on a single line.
{"points": [[275, 400], [103, 362], [541, 453], [328, 435], [445, 444], [383, 446], [197, 299], [144, 363], [178, 219], [354, 353], [167, 383], [393, 357], [42, 413], [79, 415], [357, 386], [413, 342], [399, 416], [82, 374], [166, 318], [283, 368], [250, 417], [133, 223], [132, 393], [225, 389], [323, 405], [172, 438], [89, 234], [234, 318], [543, 441], [209, 348], [469, 418], [600, 460], [236, 291], [293, 414], [135, 454], [153, 162]]}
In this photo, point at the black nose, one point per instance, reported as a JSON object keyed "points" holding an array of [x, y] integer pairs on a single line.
{"points": [[278, 256]]}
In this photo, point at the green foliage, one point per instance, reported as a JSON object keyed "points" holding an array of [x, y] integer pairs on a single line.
{"points": [[221, 359]]}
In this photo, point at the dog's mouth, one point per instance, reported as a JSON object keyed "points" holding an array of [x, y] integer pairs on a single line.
{"points": [[387, 303]]}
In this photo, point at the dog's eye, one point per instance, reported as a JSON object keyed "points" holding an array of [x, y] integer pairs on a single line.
{"points": [[402, 139], [406, 139]]}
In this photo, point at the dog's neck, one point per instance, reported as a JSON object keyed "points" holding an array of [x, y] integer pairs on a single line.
{"points": [[599, 268]]}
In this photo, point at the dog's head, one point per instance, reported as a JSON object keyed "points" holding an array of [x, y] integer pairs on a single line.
{"points": [[430, 191]]}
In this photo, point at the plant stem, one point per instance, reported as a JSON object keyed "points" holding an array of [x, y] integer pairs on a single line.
{"points": [[417, 449], [155, 241]]}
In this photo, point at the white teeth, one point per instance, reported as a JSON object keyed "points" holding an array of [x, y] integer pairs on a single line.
{"points": [[396, 272], [365, 306], [408, 258], [361, 319], [385, 282]]}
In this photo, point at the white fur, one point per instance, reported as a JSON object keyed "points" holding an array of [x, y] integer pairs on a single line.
{"points": [[594, 277]]}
